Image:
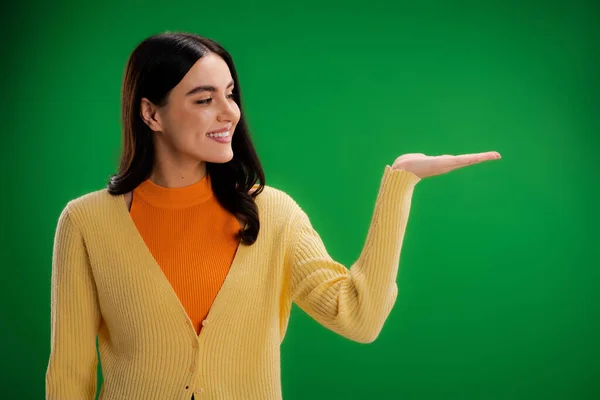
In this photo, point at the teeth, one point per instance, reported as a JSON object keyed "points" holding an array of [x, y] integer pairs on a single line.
{"points": [[222, 134]]}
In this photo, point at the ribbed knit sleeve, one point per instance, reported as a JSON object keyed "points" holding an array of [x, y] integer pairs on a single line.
{"points": [[353, 302], [75, 316]]}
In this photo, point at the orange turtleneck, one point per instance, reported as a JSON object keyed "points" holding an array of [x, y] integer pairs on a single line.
{"points": [[192, 238]]}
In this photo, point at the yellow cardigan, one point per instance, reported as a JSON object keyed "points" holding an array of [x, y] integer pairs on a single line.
{"points": [[106, 283]]}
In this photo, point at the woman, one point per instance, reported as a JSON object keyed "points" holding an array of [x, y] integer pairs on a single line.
{"points": [[185, 267]]}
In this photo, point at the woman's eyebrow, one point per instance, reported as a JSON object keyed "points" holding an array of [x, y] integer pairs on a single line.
{"points": [[206, 88]]}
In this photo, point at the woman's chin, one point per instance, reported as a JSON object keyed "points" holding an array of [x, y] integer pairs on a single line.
{"points": [[221, 158]]}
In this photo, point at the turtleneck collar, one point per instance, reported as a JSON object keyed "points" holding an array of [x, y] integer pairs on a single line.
{"points": [[186, 196]]}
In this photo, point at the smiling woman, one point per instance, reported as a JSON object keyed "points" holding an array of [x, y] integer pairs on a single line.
{"points": [[170, 267]]}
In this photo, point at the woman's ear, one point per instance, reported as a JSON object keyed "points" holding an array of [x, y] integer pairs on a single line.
{"points": [[150, 115]]}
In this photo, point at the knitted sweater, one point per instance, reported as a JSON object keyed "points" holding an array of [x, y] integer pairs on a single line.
{"points": [[105, 282]]}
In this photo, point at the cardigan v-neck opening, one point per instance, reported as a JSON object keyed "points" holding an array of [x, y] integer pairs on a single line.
{"points": [[155, 268]]}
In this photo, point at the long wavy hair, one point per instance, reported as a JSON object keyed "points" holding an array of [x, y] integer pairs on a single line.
{"points": [[157, 65]]}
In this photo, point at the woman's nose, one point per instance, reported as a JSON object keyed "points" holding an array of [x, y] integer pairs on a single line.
{"points": [[228, 111]]}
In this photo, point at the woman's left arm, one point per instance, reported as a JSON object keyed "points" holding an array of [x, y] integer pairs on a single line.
{"points": [[355, 302]]}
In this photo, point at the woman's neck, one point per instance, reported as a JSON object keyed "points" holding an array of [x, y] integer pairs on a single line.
{"points": [[175, 177]]}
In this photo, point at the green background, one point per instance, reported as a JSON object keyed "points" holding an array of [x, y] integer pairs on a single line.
{"points": [[499, 274]]}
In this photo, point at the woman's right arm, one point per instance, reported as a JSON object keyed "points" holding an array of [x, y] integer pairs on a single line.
{"points": [[75, 317]]}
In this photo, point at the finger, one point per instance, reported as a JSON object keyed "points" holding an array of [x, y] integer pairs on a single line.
{"points": [[409, 155], [468, 159]]}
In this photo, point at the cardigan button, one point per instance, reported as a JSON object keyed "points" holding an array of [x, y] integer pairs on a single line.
{"points": [[205, 322]]}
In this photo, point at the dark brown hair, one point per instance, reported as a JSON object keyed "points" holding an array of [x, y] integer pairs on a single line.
{"points": [[157, 65]]}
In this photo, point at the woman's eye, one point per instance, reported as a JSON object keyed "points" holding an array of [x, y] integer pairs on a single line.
{"points": [[207, 101]]}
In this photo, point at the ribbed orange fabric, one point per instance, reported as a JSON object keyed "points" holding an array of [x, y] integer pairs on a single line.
{"points": [[192, 238]]}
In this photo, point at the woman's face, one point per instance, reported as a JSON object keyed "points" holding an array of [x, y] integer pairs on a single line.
{"points": [[201, 103]]}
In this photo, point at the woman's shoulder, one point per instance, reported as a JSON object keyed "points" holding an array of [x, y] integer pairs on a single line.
{"points": [[88, 204], [91, 199], [277, 201]]}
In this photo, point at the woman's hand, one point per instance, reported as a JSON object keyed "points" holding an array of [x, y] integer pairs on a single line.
{"points": [[424, 166]]}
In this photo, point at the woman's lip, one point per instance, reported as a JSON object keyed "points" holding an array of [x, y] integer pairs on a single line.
{"points": [[221, 130]]}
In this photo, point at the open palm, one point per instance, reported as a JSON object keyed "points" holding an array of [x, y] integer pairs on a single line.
{"points": [[424, 166]]}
